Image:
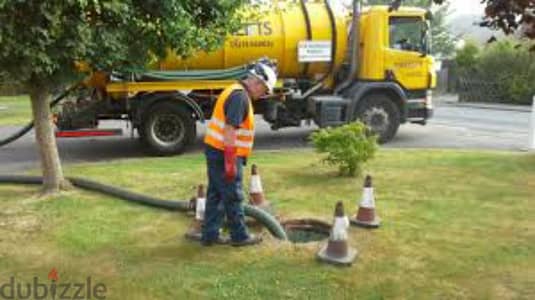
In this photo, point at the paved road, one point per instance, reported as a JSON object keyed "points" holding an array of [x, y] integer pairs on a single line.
{"points": [[452, 127]]}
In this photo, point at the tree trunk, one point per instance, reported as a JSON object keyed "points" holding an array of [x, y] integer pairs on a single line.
{"points": [[53, 179]]}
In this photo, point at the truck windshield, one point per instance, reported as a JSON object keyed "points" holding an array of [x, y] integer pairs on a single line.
{"points": [[409, 34]]}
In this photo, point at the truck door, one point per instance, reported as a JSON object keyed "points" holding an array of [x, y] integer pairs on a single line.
{"points": [[406, 57]]}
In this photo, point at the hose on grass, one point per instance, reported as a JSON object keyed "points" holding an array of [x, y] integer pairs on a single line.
{"points": [[264, 218]]}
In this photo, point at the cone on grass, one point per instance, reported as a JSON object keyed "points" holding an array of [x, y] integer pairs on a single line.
{"points": [[337, 251], [195, 230], [257, 198], [366, 216], [256, 191], [193, 200]]}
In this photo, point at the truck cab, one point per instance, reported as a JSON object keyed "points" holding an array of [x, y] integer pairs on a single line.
{"points": [[395, 74], [396, 52], [395, 47]]}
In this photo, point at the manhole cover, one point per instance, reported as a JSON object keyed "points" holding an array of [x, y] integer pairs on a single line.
{"points": [[306, 230]]}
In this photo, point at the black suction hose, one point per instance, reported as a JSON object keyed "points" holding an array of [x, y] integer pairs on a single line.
{"points": [[334, 36], [309, 31], [127, 195], [24, 130], [354, 49], [334, 40], [17, 135], [274, 227]]}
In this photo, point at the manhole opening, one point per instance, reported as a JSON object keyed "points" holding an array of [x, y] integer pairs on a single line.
{"points": [[306, 230]]}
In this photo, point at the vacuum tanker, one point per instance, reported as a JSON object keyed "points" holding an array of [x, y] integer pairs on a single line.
{"points": [[370, 64]]}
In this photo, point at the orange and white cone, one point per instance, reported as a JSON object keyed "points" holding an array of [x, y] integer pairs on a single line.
{"points": [[195, 230], [256, 191], [337, 250], [366, 216]]}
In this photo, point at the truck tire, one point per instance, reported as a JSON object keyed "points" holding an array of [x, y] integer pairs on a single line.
{"points": [[167, 129], [380, 114], [141, 135]]}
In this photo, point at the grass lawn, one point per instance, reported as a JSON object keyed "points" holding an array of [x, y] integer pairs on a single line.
{"points": [[456, 225], [17, 110]]}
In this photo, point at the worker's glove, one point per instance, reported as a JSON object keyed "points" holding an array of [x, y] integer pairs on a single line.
{"points": [[230, 163]]}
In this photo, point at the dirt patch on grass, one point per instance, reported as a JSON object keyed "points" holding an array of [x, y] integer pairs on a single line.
{"points": [[17, 221]]}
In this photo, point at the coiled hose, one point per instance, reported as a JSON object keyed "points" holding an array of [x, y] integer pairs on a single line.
{"points": [[234, 73], [24, 130], [273, 226]]}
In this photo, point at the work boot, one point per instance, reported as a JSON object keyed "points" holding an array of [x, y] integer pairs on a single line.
{"points": [[251, 240], [219, 241]]}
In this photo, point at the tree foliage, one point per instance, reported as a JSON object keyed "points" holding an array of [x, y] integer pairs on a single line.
{"points": [[510, 16], [41, 40], [443, 39]]}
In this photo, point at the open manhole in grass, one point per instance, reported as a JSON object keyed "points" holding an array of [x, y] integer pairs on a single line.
{"points": [[306, 230]]}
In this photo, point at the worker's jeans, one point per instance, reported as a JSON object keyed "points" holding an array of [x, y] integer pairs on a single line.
{"points": [[224, 198]]}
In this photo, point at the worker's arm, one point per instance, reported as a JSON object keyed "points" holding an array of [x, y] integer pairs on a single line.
{"points": [[229, 142], [235, 110], [229, 135]]}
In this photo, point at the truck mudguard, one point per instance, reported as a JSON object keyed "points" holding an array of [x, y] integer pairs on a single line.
{"points": [[358, 90], [145, 101]]}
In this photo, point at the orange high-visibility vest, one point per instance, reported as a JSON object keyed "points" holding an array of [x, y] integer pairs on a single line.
{"points": [[216, 125]]}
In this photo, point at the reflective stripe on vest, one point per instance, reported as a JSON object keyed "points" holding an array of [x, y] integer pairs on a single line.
{"points": [[216, 125]]}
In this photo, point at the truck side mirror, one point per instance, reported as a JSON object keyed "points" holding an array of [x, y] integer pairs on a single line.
{"points": [[424, 40], [429, 15]]}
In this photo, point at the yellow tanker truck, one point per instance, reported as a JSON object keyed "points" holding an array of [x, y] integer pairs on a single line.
{"points": [[335, 67]]}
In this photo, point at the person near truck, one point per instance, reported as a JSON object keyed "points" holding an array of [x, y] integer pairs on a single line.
{"points": [[229, 141]]}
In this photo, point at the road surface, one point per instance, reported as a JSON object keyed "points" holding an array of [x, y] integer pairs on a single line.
{"points": [[453, 126]]}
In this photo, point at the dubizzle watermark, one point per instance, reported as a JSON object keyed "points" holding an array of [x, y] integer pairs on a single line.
{"points": [[54, 289]]}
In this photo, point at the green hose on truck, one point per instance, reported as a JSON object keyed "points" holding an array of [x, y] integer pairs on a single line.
{"points": [[264, 218]]}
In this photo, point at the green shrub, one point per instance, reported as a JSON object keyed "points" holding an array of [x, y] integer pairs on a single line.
{"points": [[512, 68], [507, 64], [347, 147], [466, 57]]}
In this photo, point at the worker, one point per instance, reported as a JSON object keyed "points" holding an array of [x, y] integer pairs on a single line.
{"points": [[229, 141]]}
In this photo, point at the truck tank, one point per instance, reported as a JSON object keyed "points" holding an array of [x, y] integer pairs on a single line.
{"points": [[276, 36]]}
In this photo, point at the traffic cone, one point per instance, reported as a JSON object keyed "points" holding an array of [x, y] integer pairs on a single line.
{"points": [[195, 230], [192, 203], [256, 192], [337, 251], [366, 216]]}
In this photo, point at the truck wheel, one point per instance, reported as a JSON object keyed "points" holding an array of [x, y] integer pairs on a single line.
{"points": [[141, 134], [168, 128], [380, 114]]}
